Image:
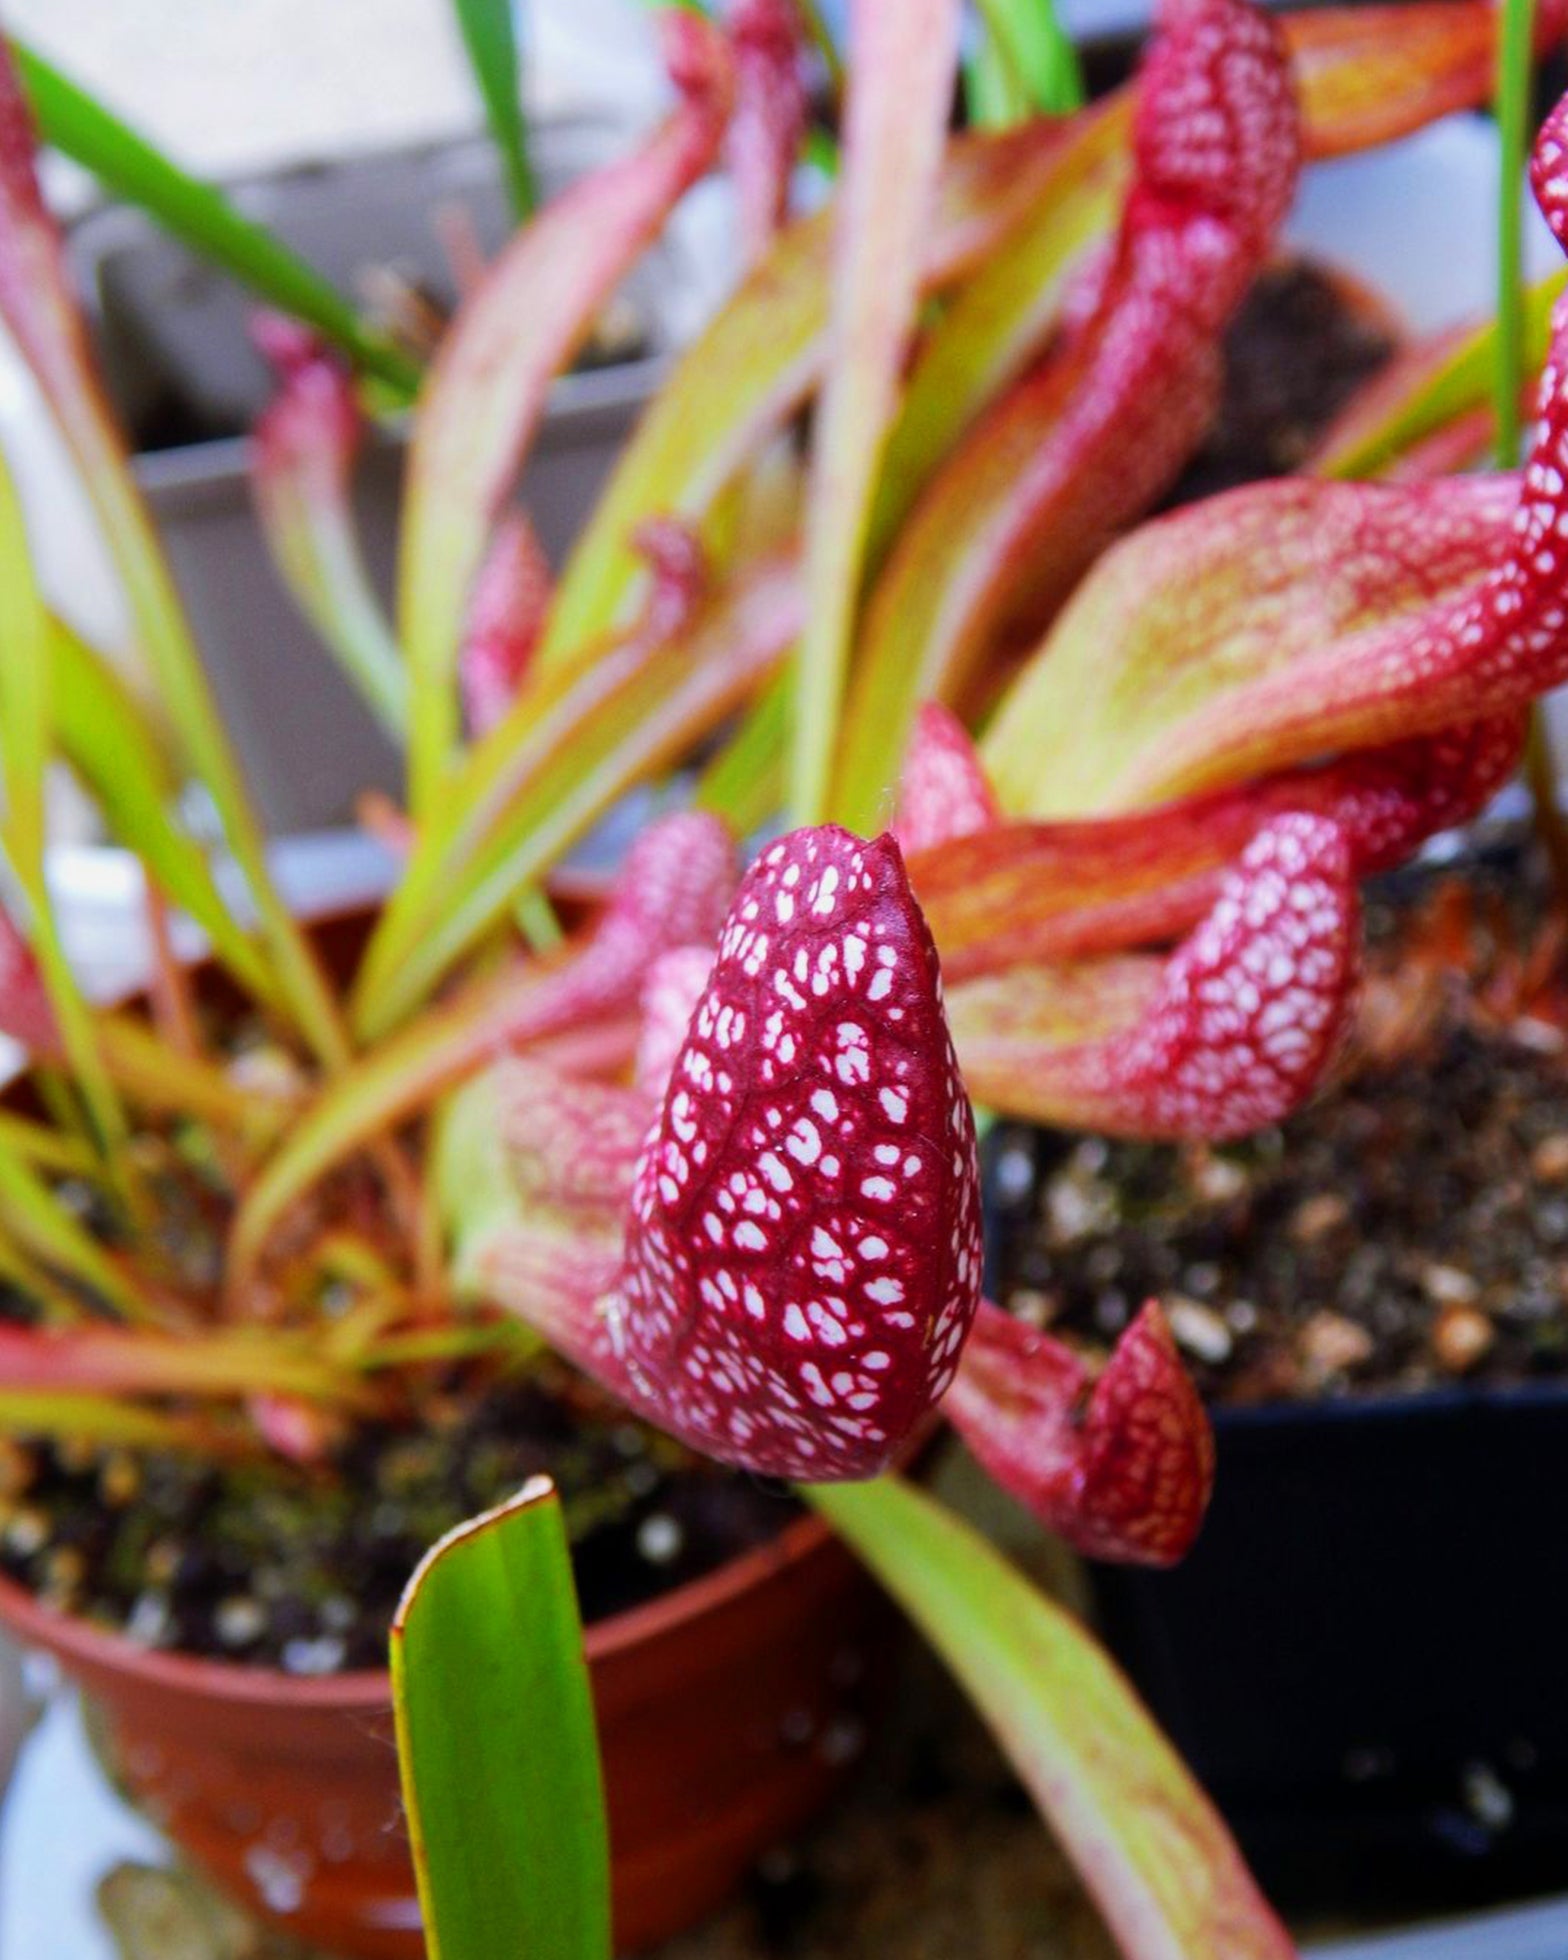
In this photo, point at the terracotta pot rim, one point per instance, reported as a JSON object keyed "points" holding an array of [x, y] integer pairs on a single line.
{"points": [[79, 1640]]}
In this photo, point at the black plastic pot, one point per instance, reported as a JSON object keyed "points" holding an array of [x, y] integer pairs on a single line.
{"points": [[1366, 1656]]}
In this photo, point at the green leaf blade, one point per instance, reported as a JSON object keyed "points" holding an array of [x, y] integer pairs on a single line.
{"points": [[491, 42], [1515, 71], [554, 764], [39, 304], [495, 1726], [1036, 52], [27, 736], [1145, 1839], [1006, 313], [32, 1217], [200, 216], [110, 742]]}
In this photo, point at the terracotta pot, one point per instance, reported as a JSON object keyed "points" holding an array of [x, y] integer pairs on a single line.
{"points": [[727, 1712]]}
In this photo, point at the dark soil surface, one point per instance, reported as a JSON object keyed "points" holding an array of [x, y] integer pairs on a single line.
{"points": [[269, 1565], [1408, 1230], [1298, 349]]}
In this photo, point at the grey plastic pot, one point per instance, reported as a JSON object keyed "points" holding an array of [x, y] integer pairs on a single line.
{"points": [[172, 333], [1538, 1932]]}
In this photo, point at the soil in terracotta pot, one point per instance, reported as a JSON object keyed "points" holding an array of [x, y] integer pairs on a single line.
{"points": [[262, 1563], [1409, 1230]]}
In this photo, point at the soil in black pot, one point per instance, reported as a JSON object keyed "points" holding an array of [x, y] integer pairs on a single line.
{"points": [[1409, 1229], [1302, 343], [267, 1564]]}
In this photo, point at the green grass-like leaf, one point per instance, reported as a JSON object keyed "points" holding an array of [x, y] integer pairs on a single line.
{"points": [[200, 216], [1515, 69], [1005, 314], [101, 1420], [1456, 376], [27, 727], [491, 41], [758, 360], [496, 1743], [34, 1218], [111, 744], [40, 308], [751, 367], [1039, 59], [744, 783], [44, 1147], [994, 97], [381, 1089], [487, 393]]}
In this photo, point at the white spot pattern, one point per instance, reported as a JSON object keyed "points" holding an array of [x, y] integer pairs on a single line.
{"points": [[670, 994], [1252, 1007], [1484, 652], [1233, 1033], [1027, 892], [943, 792], [1121, 1466], [672, 893], [1092, 436], [782, 1304]]}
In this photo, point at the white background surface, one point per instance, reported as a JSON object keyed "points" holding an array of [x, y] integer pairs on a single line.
{"points": [[236, 85]]}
